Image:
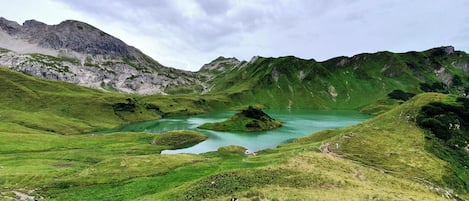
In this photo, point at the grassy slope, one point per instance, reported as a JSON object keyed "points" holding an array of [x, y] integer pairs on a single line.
{"points": [[30, 104], [343, 82], [34, 153], [393, 144], [60, 107], [384, 159]]}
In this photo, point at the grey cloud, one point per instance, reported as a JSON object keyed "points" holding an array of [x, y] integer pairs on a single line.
{"points": [[156, 16], [319, 28], [215, 7]]}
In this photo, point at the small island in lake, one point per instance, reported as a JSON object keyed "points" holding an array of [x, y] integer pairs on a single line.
{"points": [[178, 139], [251, 119]]}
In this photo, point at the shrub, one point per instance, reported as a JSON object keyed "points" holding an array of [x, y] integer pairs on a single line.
{"points": [[436, 127], [435, 87], [450, 123], [457, 81], [441, 119], [400, 95]]}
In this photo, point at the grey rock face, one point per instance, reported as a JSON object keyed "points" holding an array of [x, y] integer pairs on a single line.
{"points": [[217, 69], [11, 27], [82, 38], [220, 64], [70, 35], [449, 49], [109, 75], [79, 53]]}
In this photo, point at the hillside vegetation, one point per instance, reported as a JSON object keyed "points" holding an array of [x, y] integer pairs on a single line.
{"points": [[414, 149], [29, 103], [342, 82], [385, 158]]}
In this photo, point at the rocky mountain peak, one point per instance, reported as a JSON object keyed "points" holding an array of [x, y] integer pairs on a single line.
{"points": [[84, 38], [220, 63], [441, 51], [80, 53], [69, 35], [448, 49], [10, 27], [34, 25]]}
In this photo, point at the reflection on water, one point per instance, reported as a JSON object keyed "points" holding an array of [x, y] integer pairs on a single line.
{"points": [[296, 123]]}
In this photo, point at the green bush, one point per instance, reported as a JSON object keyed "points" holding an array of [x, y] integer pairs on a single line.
{"points": [[400, 95], [457, 81], [435, 87], [436, 127], [444, 120]]}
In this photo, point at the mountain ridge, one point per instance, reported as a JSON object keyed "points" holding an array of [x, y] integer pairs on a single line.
{"points": [[68, 35], [291, 82], [80, 53]]}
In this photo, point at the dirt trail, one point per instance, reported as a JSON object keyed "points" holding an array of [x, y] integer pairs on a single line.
{"points": [[326, 150]]}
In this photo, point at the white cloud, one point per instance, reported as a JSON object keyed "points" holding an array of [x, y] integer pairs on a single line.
{"points": [[188, 33]]}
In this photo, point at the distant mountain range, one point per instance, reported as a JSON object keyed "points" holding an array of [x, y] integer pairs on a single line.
{"points": [[79, 53], [341, 82]]}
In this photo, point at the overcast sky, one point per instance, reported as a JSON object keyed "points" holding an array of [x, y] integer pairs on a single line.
{"points": [[189, 33]]}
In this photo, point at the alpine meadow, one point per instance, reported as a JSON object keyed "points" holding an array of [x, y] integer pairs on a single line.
{"points": [[67, 92]]}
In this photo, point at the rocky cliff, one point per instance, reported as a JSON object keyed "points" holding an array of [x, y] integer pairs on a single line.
{"points": [[77, 52]]}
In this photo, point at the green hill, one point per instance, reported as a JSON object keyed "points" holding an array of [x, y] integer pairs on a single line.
{"points": [[410, 151], [59, 107], [342, 82]]}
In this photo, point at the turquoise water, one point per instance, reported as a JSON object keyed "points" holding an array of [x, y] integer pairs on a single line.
{"points": [[296, 123]]}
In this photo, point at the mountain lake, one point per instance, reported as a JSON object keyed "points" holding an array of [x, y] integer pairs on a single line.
{"points": [[296, 124]]}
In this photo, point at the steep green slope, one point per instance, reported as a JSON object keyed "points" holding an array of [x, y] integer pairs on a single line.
{"points": [[342, 82], [54, 106], [59, 107], [394, 144], [36, 152], [447, 135]]}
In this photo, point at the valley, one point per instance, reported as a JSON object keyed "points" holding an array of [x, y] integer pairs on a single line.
{"points": [[82, 123]]}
